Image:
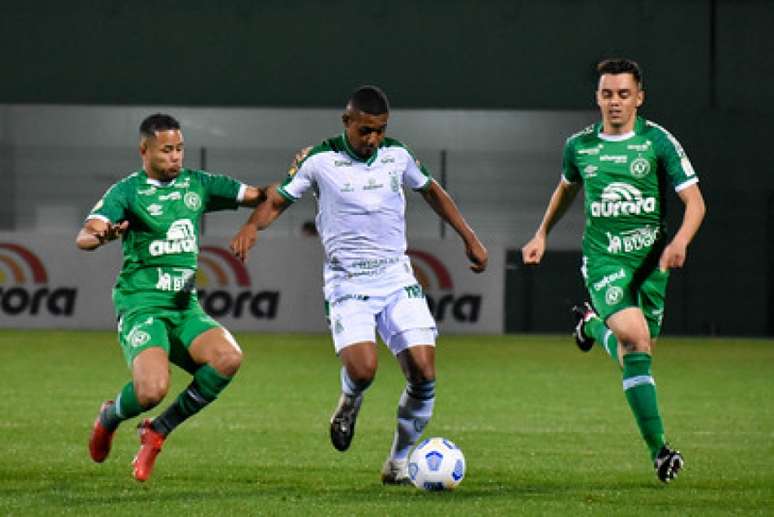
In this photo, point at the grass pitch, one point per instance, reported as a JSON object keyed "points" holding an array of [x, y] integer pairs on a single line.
{"points": [[544, 428]]}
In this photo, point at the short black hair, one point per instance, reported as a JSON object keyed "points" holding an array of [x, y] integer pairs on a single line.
{"points": [[620, 66], [158, 122], [369, 99]]}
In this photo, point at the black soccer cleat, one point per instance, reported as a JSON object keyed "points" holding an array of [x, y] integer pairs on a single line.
{"points": [[582, 314], [668, 463], [343, 421]]}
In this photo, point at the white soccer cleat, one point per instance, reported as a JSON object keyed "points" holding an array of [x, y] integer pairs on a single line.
{"points": [[395, 472]]}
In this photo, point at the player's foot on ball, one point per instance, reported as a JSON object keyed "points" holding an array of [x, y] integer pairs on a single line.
{"points": [[668, 463], [395, 472], [101, 437], [343, 421], [150, 447], [582, 314]]}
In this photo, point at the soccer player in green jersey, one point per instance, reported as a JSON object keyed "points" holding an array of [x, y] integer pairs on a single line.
{"points": [[156, 211], [624, 165]]}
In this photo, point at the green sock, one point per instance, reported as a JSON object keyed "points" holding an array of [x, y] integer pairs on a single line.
{"points": [[603, 336], [205, 388], [127, 406], [640, 391]]}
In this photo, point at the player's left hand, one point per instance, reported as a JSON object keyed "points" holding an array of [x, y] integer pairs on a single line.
{"points": [[243, 241], [477, 254], [673, 256]]}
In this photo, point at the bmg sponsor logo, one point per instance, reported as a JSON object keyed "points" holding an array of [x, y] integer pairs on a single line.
{"points": [[439, 290], [24, 285], [218, 272]]}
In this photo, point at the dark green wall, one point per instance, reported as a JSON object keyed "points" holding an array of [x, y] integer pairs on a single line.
{"points": [[708, 67]]}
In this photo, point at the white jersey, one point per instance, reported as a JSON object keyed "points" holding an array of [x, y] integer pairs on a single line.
{"points": [[360, 213]]}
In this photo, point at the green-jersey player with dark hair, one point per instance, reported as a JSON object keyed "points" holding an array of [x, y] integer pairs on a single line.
{"points": [[156, 211], [625, 164]]}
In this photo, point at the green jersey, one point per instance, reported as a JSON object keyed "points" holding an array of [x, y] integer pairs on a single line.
{"points": [[625, 180], [161, 245]]}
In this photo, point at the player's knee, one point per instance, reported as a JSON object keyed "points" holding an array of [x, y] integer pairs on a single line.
{"points": [[363, 373], [151, 391], [228, 361], [422, 373]]}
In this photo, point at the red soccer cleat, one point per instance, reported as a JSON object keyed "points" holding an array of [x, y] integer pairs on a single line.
{"points": [[150, 447], [100, 439]]}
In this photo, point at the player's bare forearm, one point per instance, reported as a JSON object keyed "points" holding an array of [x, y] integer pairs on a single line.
{"points": [[695, 209], [254, 196], [676, 251], [562, 197], [264, 214], [268, 211], [96, 232], [443, 205]]}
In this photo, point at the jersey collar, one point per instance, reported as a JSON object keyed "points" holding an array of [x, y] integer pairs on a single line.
{"points": [[639, 122], [352, 154], [159, 183]]}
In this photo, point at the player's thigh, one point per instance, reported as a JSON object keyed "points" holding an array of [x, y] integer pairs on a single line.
{"points": [[352, 321], [139, 331], [405, 321], [653, 300], [198, 339], [610, 288]]}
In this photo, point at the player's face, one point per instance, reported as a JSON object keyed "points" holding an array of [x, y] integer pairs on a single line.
{"points": [[618, 97], [162, 155], [365, 132]]}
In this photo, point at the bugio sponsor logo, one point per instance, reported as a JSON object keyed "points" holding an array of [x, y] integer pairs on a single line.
{"points": [[181, 238], [29, 292], [621, 199], [441, 298], [225, 287], [632, 240]]}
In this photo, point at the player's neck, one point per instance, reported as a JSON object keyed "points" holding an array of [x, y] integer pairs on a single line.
{"points": [[616, 132]]}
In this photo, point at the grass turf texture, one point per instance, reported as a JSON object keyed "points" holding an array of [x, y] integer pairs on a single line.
{"points": [[545, 430]]}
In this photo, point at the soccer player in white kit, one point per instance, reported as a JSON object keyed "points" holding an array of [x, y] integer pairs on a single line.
{"points": [[358, 179]]}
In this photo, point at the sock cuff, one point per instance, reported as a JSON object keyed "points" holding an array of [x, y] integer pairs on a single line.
{"points": [[210, 382], [422, 390], [350, 387]]}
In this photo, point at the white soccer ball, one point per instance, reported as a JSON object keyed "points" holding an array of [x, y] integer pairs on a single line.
{"points": [[436, 464]]}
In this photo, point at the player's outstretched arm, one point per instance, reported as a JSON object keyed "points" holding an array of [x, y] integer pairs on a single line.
{"points": [[563, 196], [443, 205], [675, 253], [96, 232], [254, 196], [265, 213]]}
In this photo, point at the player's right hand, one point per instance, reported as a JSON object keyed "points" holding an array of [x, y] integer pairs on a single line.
{"points": [[243, 241], [532, 252]]}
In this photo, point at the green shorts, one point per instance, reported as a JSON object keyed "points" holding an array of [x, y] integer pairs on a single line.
{"points": [[615, 286], [172, 330]]}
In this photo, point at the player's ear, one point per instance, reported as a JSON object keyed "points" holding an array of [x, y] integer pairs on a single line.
{"points": [[640, 98]]}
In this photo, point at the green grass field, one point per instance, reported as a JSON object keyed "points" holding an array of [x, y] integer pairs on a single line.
{"points": [[545, 430]]}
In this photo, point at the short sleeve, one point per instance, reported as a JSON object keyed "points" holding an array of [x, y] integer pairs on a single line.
{"points": [[221, 192], [416, 176], [113, 205], [569, 167], [300, 177], [673, 159]]}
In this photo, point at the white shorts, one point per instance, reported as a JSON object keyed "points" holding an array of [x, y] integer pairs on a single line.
{"points": [[402, 319]]}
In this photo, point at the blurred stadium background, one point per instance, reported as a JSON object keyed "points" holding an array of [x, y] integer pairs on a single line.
{"points": [[485, 93]]}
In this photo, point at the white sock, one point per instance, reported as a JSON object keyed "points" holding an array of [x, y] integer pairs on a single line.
{"points": [[414, 411]]}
